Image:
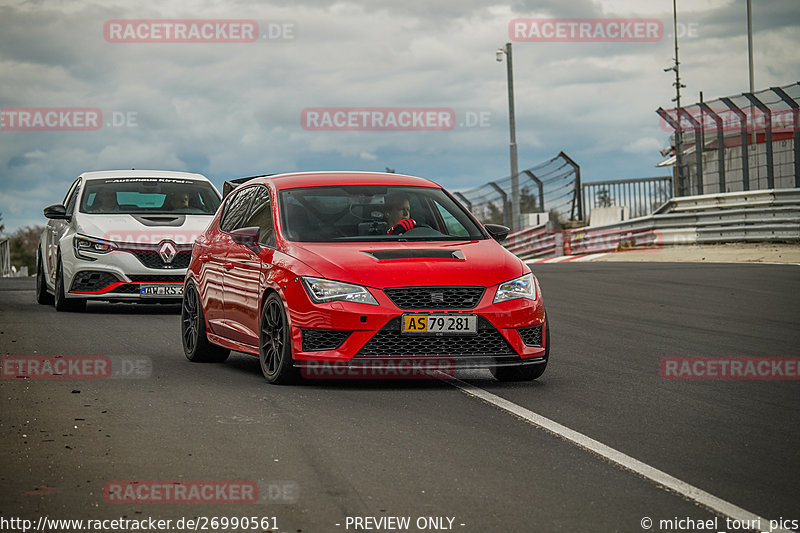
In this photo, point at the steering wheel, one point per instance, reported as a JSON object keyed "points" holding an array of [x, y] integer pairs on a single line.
{"points": [[403, 226]]}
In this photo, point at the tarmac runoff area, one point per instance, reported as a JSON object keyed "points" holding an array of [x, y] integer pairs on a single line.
{"points": [[768, 253]]}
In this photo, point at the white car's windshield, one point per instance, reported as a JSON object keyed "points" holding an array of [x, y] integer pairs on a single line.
{"points": [[143, 195]]}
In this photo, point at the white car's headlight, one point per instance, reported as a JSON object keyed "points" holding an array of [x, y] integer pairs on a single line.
{"points": [[522, 287], [83, 244], [324, 290]]}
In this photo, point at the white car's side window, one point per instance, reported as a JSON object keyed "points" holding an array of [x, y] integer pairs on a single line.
{"points": [[70, 191], [72, 196]]}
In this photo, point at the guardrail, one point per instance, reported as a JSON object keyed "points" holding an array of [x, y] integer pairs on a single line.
{"points": [[531, 242], [752, 216], [5, 258]]}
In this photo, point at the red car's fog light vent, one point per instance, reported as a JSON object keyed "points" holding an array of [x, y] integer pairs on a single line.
{"points": [[316, 340], [434, 298], [531, 336]]}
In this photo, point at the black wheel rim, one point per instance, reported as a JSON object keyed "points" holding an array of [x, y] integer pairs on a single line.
{"points": [[39, 280], [272, 337], [190, 319], [59, 284]]}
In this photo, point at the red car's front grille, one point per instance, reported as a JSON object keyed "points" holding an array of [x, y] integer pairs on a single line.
{"points": [[431, 298]]}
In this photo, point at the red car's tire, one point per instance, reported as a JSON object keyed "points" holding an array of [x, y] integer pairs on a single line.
{"points": [[275, 347], [196, 346]]}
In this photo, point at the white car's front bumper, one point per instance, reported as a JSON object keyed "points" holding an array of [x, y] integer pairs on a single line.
{"points": [[131, 272]]}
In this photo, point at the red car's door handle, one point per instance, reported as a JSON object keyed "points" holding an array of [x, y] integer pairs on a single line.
{"points": [[228, 265], [204, 258]]}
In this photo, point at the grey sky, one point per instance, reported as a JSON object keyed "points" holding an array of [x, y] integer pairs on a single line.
{"points": [[228, 110]]}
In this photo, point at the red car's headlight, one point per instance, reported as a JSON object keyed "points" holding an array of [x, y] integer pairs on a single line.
{"points": [[522, 287], [325, 290]]}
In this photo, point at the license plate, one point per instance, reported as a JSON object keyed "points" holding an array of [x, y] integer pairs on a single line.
{"points": [[441, 324], [162, 290]]}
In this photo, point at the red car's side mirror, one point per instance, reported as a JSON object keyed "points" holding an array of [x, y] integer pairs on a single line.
{"points": [[247, 237], [498, 232]]}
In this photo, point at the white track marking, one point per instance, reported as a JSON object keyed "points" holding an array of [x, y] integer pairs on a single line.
{"points": [[701, 497]]}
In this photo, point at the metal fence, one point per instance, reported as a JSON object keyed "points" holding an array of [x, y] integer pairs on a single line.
{"points": [[550, 187], [639, 196], [744, 142]]}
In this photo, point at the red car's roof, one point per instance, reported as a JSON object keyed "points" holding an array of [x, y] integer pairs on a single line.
{"points": [[311, 179]]}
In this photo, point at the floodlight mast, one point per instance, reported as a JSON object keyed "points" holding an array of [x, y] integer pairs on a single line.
{"points": [[515, 218], [680, 185]]}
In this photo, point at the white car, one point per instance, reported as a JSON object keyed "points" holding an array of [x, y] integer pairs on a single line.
{"points": [[122, 235]]}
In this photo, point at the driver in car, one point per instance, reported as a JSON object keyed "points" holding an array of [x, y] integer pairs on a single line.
{"points": [[398, 213], [177, 201], [104, 202]]}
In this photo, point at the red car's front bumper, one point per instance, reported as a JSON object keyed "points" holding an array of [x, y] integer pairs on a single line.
{"points": [[510, 333]]}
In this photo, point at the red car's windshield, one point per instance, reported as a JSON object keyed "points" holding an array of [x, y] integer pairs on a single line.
{"points": [[369, 213]]}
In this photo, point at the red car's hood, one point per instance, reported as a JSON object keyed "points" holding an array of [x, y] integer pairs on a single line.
{"points": [[482, 263]]}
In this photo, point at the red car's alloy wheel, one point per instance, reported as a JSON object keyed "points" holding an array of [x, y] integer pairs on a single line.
{"points": [[196, 345], [275, 352]]}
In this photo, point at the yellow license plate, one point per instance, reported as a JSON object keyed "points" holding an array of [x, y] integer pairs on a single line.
{"points": [[440, 324]]}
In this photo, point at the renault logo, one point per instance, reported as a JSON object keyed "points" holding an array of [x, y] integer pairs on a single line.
{"points": [[167, 251]]}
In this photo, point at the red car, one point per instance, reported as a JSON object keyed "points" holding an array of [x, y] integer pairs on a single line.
{"points": [[342, 273]]}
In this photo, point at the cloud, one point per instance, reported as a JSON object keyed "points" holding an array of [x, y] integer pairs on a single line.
{"points": [[229, 110], [643, 145]]}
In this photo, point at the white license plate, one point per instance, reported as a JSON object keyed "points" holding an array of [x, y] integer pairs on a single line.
{"points": [[162, 290], [442, 324]]}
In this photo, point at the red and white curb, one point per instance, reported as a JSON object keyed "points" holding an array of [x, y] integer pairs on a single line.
{"points": [[566, 258]]}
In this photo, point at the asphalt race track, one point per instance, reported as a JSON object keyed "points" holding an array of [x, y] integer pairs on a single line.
{"points": [[328, 453]]}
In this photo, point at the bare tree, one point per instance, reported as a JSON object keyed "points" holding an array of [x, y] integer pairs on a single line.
{"points": [[23, 245]]}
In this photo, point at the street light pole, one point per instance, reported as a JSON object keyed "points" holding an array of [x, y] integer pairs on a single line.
{"points": [[750, 67], [750, 44], [515, 218]]}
